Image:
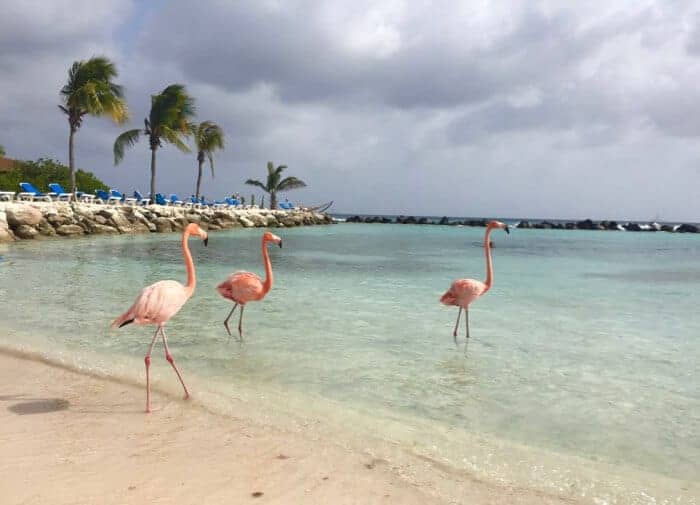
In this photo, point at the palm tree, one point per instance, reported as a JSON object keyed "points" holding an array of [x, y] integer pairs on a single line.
{"points": [[275, 183], [90, 90], [208, 137], [168, 121]]}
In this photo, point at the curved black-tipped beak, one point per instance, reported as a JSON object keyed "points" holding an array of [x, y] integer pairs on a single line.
{"points": [[507, 229], [206, 241], [280, 244]]}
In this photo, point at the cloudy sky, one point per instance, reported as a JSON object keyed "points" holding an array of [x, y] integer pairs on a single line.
{"points": [[509, 108]]}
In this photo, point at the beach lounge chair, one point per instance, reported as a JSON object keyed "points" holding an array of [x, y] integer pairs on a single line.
{"points": [[122, 198], [7, 196], [105, 197], [175, 200], [233, 202], [85, 197], [30, 193], [58, 193], [195, 203], [140, 199], [160, 199]]}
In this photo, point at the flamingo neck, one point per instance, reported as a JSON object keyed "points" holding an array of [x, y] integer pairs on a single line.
{"points": [[268, 268], [489, 264], [189, 264]]}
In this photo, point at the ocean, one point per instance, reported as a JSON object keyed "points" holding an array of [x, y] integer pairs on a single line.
{"points": [[581, 376]]}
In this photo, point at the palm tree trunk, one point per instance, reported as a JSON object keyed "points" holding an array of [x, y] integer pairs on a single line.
{"points": [[153, 174], [199, 179], [273, 200], [71, 161]]}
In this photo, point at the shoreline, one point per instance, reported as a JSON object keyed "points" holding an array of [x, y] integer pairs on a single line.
{"points": [[407, 473], [85, 437], [38, 220]]}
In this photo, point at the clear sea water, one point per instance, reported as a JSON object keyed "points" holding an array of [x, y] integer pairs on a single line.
{"points": [[587, 349]]}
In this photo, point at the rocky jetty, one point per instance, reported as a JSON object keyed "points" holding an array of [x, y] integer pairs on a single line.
{"points": [[586, 224], [40, 219]]}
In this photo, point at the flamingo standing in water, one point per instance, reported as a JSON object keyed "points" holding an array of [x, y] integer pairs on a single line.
{"points": [[244, 287], [462, 292], [159, 302]]}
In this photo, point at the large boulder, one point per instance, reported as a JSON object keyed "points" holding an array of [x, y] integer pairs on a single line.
{"points": [[23, 214], [163, 225], [687, 228], [44, 228], [247, 223], [25, 231], [101, 228], [70, 229], [6, 234]]}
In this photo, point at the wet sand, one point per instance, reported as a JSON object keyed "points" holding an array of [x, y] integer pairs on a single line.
{"points": [[71, 438]]}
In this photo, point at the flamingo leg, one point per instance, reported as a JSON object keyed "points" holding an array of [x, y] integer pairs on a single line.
{"points": [[454, 333], [240, 323], [466, 320], [170, 359], [147, 360], [229, 317]]}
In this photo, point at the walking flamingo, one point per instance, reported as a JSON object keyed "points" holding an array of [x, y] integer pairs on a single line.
{"points": [[244, 287], [159, 302], [462, 292]]}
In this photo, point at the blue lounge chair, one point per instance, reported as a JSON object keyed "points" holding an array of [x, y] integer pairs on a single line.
{"points": [[122, 198], [160, 199], [140, 198], [175, 200], [233, 202], [58, 193], [194, 202], [106, 197], [30, 193]]}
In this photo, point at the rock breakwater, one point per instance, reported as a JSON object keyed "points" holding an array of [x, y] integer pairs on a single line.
{"points": [[62, 219], [586, 224]]}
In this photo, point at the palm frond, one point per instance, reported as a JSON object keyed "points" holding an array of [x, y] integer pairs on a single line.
{"points": [[126, 139], [254, 182], [173, 137], [290, 183]]}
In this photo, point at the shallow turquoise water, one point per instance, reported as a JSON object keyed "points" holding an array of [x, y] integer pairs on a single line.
{"points": [[588, 343]]}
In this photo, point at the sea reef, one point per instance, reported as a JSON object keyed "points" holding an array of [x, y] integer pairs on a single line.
{"points": [[586, 224], [62, 219]]}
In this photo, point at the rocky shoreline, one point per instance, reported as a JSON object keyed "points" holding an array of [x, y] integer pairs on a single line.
{"points": [[586, 224], [22, 221]]}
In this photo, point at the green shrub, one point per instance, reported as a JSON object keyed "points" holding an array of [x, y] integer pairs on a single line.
{"points": [[44, 171]]}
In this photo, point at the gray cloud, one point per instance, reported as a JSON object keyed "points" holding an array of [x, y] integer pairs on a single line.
{"points": [[389, 106]]}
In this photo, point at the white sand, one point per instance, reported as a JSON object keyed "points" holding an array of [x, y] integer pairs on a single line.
{"points": [[69, 438]]}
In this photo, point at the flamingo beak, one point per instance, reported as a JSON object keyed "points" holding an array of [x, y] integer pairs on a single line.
{"points": [[206, 241], [280, 244], [507, 229]]}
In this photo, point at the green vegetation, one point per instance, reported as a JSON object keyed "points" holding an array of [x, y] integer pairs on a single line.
{"points": [[208, 137], [2, 151], [45, 171], [90, 91], [275, 184], [168, 121]]}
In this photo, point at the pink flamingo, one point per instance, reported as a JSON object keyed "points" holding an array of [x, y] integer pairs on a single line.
{"points": [[462, 292], [244, 287], [159, 302]]}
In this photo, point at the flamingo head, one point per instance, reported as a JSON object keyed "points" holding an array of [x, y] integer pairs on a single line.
{"points": [[498, 224], [271, 237], [197, 231]]}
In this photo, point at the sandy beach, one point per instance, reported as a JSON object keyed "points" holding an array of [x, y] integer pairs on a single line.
{"points": [[70, 438]]}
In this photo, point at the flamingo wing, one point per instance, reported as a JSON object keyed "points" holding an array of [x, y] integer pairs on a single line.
{"points": [[241, 287], [156, 304], [463, 291]]}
